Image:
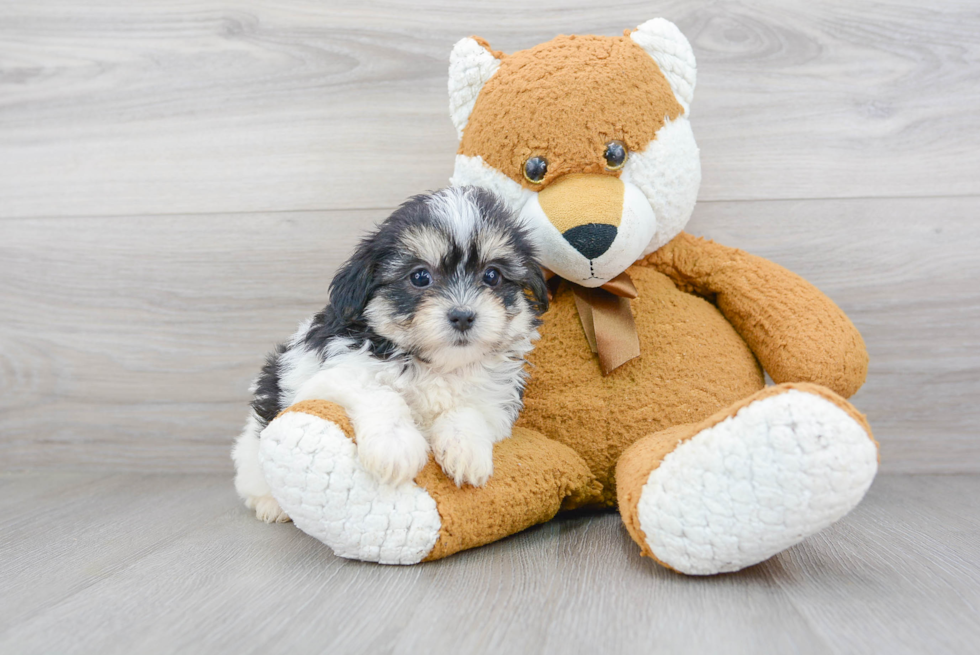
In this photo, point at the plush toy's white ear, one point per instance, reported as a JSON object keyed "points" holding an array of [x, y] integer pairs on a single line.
{"points": [[470, 66], [670, 49]]}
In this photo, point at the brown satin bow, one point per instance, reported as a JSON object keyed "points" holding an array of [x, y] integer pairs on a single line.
{"points": [[606, 318]]}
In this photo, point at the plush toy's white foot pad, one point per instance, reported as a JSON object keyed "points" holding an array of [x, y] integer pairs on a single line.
{"points": [[782, 468], [314, 473]]}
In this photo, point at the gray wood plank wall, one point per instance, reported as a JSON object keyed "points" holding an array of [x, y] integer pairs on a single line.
{"points": [[179, 181]]}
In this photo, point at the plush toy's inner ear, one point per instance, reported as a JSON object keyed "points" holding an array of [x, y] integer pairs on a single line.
{"points": [[471, 64], [670, 49]]}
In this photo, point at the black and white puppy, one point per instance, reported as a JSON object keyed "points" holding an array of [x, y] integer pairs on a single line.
{"points": [[423, 343]]}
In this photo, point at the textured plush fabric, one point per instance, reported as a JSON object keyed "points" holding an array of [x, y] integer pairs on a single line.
{"points": [[796, 332], [471, 64], [533, 479], [692, 364], [620, 93], [696, 358], [312, 467], [328, 411], [795, 468], [583, 199], [663, 41]]}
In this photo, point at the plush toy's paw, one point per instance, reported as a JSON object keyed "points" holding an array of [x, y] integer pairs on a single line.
{"points": [[783, 467], [463, 446], [309, 457], [312, 465], [267, 509], [392, 452]]}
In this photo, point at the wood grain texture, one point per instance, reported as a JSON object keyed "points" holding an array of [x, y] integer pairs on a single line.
{"points": [[133, 342], [163, 564], [178, 182], [130, 343], [110, 108]]}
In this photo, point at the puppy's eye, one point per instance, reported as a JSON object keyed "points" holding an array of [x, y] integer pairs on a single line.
{"points": [[420, 278], [535, 169], [615, 155], [491, 277]]}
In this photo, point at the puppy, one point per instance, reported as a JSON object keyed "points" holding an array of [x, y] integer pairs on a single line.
{"points": [[423, 344]]}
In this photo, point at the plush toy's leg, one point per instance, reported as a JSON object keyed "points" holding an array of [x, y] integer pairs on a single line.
{"points": [[748, 482], [309, 457]]}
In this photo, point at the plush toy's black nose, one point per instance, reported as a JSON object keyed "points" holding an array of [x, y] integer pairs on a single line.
{"points": [[462, 319], [591, 240]]}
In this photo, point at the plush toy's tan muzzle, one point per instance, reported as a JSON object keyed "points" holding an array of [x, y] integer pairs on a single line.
{"points": [[586, 209]]}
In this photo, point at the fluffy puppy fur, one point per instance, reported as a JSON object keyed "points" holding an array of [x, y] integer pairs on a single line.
{"points": [[423, 343]]}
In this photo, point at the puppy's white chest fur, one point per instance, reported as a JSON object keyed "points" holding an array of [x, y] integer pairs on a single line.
{"points": [[428, 396], [488, 387]]}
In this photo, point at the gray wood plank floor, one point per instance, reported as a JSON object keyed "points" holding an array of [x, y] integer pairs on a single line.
{"points": [[127, 563]]}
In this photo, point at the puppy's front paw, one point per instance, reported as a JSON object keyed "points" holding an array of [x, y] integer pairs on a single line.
{"points": [[393, 453], [463, 447]]}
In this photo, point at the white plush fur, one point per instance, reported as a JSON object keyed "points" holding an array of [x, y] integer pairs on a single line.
{"points": [[663, 41], [668, 172], [470, 66], [739, 492], [323, 485]]}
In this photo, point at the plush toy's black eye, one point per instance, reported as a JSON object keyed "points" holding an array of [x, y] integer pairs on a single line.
{"points": [[491, 277], [615, 155], [535, 169], [420, 278]]}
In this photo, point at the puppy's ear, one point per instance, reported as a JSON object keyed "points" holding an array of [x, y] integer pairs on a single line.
{"points": [[536, 288], [354, 285]]}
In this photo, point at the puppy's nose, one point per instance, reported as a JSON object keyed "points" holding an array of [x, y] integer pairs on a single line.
{"points": [[462, 319], [591, 240]]}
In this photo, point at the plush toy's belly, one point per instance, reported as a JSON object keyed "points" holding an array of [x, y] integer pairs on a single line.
{"points": [[692, 364]]}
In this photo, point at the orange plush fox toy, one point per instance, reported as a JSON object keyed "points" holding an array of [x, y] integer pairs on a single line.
{"points": [[647, 390]]}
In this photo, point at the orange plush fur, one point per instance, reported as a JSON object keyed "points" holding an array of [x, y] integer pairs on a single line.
{"points": [[566, 98]]}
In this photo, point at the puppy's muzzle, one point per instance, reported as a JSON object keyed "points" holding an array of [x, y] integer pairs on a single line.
{"points": [[461, 319]]}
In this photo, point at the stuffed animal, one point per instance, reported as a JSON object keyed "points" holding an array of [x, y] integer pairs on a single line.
{"points": [[647, 391]]}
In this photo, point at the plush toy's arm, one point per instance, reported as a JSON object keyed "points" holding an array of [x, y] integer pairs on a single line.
{"points": [[797, 333]]}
